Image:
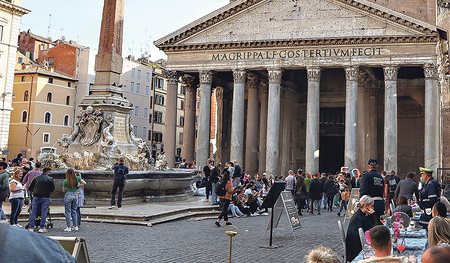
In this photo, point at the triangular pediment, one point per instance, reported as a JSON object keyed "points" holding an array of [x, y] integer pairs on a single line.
{"points": [[273, 20]]}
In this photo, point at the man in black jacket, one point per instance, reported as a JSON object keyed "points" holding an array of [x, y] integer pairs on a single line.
{"points": [[315, 193], [373, 186], [41, 187]]}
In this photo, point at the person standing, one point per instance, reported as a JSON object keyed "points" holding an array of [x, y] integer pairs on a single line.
{"points": [[206, 174], [4, 186], [16, 197], [429, 195], [120, 175], [330, 191], [225, 199], [300, 194], [290, 183], [214, 178], [236, 174], [373, 186], [407, 188], [391, 185], [41, 187], [307, 184], [80, 203], [70, 188], [323, 198], [31, 174], [316, 191]]}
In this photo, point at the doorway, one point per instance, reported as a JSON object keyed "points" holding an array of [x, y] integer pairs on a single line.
{"points": [[331, 150]]}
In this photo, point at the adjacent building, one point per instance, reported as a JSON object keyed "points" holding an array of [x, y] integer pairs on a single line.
{"points": [[10, 14], [43, 107]]}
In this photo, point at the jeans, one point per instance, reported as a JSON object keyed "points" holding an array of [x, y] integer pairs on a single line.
{"points": [[236, 181], [44, 203], [113, 194], [330, 202], [307, 200], [2, 213], [318, 203], [224, 213], [78, 216], [70, 204], [324, 200], [16, 208], [235, 210], [213, 194], [343, 205]]}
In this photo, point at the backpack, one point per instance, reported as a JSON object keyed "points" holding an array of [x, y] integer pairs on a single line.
{"points": [[119, 174], [392, 184], [220, 188]]}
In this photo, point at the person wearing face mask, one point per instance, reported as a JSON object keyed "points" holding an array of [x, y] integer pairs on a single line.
{"points": [[429, 195]]}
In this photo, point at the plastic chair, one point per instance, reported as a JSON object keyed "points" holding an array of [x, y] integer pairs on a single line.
{"points": [[404, 217], [341, 229]]}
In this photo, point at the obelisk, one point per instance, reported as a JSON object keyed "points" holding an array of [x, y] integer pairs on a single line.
{"points": [[106, 93]]}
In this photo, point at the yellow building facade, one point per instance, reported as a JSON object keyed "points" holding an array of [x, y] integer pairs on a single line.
{"points": [[43, 109]]}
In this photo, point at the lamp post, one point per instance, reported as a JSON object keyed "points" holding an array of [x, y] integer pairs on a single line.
{"points": [[231, 233]]}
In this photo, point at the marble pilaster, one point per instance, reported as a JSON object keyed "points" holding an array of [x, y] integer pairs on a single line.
{"points": [[390, 118], [273, 122], [204, 118], [351, 117], [251, 143], [312, 121], [263, 95], [189, 119], [170, 127], [237, 118], [431, 147]]}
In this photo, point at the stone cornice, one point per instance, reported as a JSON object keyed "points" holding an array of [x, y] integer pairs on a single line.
{"points": [[14, 9], [304, 42], [239, 6]]}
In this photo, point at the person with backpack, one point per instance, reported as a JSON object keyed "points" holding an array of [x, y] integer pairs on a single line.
{"points": [[120, 173], [224, 189], [213, 179], [4, 187]]}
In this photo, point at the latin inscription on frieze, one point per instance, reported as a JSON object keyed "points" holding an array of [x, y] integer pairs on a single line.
{"points": [[299, 53]]}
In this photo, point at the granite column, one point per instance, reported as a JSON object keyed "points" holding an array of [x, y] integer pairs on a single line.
{"points": [[431, 117], [170, 128], [251, 142], [263, 95], [312, 121], [204, 118], [351, 117], [237, 118], [390, 118], [189, 119], [273, 122]]}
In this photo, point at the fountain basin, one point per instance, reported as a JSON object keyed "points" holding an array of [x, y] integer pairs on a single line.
{"points": [[141, 186]]}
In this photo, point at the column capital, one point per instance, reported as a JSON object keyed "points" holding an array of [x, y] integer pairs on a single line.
{"points": [[239, 75], [264, 87], [313, 73], [172, 76], [352, 73], [431, 71], [189, 80], [252, 82], [206, 76], [390, 72], [275, 75]]}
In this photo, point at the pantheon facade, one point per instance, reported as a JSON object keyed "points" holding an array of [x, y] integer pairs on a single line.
{"points": [[317, 84]]}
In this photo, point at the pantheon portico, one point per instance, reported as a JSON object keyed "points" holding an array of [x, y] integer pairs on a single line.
{"points": [[318, 84]]}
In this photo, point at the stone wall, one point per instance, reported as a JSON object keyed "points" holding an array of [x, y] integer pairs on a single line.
{"points": [[424, 10]]}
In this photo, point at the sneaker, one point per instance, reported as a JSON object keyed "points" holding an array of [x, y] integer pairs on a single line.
{"points": [[205, 201], [319, 214], [31, 229], [339, 214], [67, 229], [217, 224], [228, 223], [120, 208], [43, 230], [17, 225], [111, 207], [265, 214], [75, 228]]}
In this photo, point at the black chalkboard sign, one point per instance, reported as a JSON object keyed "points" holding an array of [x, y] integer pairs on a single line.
{"points": [[285, 201]]}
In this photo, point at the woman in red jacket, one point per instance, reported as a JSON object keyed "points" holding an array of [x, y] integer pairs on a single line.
{"points": [[225, 199]]}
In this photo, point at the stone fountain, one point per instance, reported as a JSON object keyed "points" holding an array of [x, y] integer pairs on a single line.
{"points": [[102, 133]]}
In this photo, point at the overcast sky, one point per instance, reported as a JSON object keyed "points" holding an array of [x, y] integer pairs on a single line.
{"points": [[145, 20]]}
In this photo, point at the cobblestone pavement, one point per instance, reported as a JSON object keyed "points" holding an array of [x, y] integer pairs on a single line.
{"points": [[200, 241]]}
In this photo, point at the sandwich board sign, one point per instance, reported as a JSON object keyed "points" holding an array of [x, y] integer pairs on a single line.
{"points": [[285, 202]]}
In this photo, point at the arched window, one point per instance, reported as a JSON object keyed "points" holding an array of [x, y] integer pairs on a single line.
{"points": [[25, 96], [49, 97], [66, 120], [24, 116], [48, 117], [68, 100]]}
